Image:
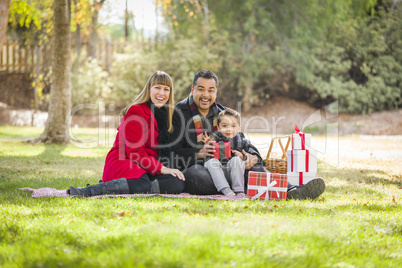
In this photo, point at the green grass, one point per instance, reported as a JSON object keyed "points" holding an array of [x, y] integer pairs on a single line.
{"points": [[355, 223]]}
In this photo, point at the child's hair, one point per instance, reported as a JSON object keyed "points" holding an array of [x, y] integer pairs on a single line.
{"points": [[229, 112], [162, 78]]}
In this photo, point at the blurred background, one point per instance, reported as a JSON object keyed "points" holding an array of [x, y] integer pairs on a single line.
{"points": [[271, 56]]}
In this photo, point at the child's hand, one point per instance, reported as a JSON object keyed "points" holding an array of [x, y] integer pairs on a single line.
{"points": [[206, 138], [238, 154]]}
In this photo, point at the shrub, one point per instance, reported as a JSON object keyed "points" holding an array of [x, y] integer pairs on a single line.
{"points": [[360, 65], [90, 84], [181, 59]]}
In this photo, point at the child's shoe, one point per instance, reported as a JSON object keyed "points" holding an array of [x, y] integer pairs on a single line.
{"points": [[228, 192]]}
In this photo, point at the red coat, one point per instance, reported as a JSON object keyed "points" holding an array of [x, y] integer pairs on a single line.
{"points": [[133, 152]]}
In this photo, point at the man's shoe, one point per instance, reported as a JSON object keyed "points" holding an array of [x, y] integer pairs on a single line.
{"points": [[311, 190]]}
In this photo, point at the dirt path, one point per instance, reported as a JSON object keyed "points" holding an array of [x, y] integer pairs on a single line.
{"points": [[359, 152], [282, 114]]}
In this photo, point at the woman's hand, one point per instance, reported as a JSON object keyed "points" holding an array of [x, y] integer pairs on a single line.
{"points": [[174, 172], [238, 154]]}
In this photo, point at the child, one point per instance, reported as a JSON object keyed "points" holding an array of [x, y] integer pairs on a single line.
{"points": [[229, 130]]}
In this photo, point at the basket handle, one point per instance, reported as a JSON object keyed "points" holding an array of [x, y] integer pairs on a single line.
{"points": [[284, 156]]}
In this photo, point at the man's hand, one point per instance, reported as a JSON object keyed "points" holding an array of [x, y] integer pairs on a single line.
{"points": [[238, 154], [250, 161], [207, 150]]}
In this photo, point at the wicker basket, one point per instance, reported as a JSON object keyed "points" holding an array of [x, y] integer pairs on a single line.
{"points": [[278, 165]]}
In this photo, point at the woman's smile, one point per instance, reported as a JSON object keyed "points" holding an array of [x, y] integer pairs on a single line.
{"points": [[159, 94]]}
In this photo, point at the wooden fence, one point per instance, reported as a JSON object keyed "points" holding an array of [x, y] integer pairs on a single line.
{"points": [[16, 58]]}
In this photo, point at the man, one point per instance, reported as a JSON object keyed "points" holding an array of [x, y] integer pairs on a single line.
{"points": [[199, 113]]}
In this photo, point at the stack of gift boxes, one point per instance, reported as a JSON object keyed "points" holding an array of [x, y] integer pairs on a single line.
{"points": [[302, 168], [302, 159]]}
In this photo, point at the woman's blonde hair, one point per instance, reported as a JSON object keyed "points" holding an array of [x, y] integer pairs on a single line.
{"points": [[162, 78]]}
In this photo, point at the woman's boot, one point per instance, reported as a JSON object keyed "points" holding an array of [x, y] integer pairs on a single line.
{"points": [[119, 186]]}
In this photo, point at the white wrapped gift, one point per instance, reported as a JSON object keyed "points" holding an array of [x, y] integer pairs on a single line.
{"points": [[300, 178], [300, 141], [302, 160]]}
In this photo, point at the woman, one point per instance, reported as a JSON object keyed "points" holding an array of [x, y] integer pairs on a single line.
{"points": [[132, 164]]}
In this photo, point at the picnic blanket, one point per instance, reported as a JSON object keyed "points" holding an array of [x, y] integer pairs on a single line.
{"points": [[42, 192]]}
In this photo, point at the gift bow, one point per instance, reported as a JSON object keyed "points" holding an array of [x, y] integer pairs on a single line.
{"points": [[302, 136], [297, 130], [263, 189]]}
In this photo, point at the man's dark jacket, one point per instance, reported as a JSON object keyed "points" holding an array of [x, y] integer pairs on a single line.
{"points": [[184, 137]]}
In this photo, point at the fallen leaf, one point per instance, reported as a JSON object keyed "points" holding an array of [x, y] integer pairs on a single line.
{"points": [[190, 214], [393, 199], [276, 206], [121, 214], [300, 210], [245, 206]]}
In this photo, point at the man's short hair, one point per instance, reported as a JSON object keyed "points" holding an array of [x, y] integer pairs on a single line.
{"points": [[229, 112], [206, 74]]}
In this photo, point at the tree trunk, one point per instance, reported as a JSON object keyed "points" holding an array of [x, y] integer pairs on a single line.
{"points": [[206, 21], [157, 25], [93, 38], [77, 60], [4, 11], [246, 99], [58, 122], [77, 40], [126, 23]]}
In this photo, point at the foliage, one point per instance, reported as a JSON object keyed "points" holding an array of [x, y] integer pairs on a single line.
{"points": [[31, 21], [361, 65], [318, 50], [90, 84], [42, 84], [358, 218], [130, 71], [267, 48]]}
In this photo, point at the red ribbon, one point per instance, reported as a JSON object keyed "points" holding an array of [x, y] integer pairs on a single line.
{"points": [[307, 159], [300, 178], [291, 160]]}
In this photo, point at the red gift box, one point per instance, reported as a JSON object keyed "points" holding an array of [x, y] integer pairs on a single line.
{"points": [[222, 150], [259, 183]]}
